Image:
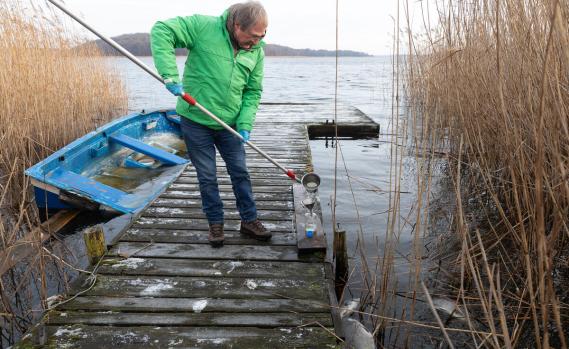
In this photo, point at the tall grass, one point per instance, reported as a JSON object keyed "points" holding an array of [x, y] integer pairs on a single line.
{"points": [[489, 81], [51, 92]]}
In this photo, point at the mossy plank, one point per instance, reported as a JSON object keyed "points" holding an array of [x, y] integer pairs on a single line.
{"points": [[178, 212], [229, 195], [97, 337], [262, 165], [200, 237], [165, 201], [262, 320], [200, 251], [253, 172], [202, 224], [210, 268], [280, 182], [194, 305], [222, 174], [185, 287], [276, 190]]}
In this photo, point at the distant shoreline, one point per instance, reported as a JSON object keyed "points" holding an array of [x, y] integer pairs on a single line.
{"points": [[139, 45]]}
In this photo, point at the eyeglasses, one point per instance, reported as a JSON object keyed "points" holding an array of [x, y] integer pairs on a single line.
{"points": [[257, 37], [252, 36]]}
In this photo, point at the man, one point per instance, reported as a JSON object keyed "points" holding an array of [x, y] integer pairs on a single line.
{"points": [[224, 72]]}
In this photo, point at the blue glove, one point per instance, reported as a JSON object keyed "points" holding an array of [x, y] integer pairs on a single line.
{"points": [[245, 135], [175, 88]]}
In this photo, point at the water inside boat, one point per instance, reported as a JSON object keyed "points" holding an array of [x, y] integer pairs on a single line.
{"points": [[118, 172]]}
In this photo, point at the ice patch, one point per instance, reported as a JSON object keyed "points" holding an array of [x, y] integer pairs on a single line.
{"points": [[267, 284], [233, 265], [129, 338], [169, 210], [173, 342], [211, 340], [199, 284], [63, 314], [200, 305], [251, 284], [77, 332], [154, 288], [287, 330], [129, 263]]}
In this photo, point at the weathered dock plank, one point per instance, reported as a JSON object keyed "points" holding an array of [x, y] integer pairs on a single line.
{"points": [[166, 200], [214, 287], [198, 251], [129, 337], [201, 224], [210, 268], [162, 286], [261, 320], [188, 212], [195, 236], [194, 305]]}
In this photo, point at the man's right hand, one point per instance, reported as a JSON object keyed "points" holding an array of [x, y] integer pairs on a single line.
{"points": [[175, 88]]}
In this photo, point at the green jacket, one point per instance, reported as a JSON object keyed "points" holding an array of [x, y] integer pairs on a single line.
{"points": [[229, 86]]}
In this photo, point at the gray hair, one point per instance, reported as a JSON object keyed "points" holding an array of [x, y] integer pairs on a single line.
{"points": [[247, 14]]}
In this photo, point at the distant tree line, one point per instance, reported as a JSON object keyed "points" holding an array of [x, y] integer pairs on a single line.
{"points": [[139, 45]]}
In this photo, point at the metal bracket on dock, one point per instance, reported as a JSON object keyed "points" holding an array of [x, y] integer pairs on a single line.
{"points": [[305, 244]]}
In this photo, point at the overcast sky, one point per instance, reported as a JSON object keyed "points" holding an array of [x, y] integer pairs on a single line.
{"points": [[364, 25]]}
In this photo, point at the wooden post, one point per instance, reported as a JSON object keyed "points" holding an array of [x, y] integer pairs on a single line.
{"points": [[341, 257], [95, 243]]}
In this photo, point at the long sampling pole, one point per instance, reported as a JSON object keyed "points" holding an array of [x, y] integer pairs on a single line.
{"points": [[186, 97]]}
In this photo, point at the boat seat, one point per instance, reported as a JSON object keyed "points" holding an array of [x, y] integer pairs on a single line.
{"points": [[75, 183], [143, 148]]}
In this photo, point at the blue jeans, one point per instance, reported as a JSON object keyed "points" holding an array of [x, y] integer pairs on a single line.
{"points": [[201, 142]]}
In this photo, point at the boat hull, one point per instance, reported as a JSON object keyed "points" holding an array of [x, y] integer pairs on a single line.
{"points": [[120, 167]]}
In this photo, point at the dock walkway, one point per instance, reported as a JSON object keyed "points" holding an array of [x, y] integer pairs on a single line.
{"points": [[161, 284]]}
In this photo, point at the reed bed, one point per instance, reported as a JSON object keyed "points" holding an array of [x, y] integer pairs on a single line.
{"points": [[488, 81], [51, 92]]}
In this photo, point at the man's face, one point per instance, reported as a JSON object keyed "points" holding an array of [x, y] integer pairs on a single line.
{"points": [[250, 37]]}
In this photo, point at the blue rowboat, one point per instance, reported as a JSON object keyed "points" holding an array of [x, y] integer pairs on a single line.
{"points": [[119, 168]]}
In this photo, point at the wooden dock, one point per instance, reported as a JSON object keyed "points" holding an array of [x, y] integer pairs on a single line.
{"points": [[162, 286]]}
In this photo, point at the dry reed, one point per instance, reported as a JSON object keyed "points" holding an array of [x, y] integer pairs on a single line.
{"points": [[51, 92], [490, 84]]}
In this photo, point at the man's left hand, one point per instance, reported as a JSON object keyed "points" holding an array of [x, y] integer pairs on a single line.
{"points": [[245, 134]]}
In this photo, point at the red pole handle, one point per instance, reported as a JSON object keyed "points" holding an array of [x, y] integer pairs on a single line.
{"points": [[291, 175], [191, 100]]}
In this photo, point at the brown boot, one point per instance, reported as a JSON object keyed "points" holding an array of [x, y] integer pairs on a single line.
{"points": [[255, 229], [216, 235]]}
